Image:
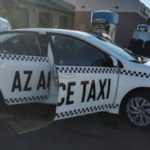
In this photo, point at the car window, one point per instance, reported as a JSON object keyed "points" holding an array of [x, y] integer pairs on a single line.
{"points": [[74, 52], [19, 44]]}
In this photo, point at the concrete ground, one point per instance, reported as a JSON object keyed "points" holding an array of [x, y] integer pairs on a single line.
{"points": [[94, 132]]}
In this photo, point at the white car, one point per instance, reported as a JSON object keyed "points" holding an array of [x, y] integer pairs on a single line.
{"points": [[72, 73]]}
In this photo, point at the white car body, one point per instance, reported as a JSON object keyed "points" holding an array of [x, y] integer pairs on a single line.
{"points": [[73, 89]]}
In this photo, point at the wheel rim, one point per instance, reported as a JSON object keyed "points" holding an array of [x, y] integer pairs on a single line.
{"points": [[138, 111]]}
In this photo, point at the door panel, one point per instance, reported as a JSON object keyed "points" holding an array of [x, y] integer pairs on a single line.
{"points": [[88, 90], [24, 73], [87, 78], [24, 80]]}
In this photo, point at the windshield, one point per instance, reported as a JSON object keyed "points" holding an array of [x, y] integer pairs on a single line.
{"points": [[125, 53]]}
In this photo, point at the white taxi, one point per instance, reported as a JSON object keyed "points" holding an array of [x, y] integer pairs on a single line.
{"points": [[73, 72]]}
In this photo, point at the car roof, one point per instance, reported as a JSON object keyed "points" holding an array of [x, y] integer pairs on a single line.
{"points": [[77, 34], [58, 31]]}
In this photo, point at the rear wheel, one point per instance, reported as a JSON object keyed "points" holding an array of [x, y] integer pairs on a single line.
{"points": [[137, 110]]}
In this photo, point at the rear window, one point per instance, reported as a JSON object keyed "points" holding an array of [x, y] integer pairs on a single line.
{"points": [[20, 44]]}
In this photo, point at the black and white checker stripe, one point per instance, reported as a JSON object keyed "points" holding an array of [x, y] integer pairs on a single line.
{"points": [[26, 99], [134, 73], [23, 58], [87, 110], [80, 69], [83, 69]]}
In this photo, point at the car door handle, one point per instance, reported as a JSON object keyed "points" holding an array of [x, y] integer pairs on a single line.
{"points": [[69, 76]]}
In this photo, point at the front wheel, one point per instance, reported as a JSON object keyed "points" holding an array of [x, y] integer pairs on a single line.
{"points": [[137, 110]]}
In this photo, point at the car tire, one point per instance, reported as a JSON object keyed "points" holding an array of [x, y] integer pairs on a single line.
{"points": [[137, 110]]}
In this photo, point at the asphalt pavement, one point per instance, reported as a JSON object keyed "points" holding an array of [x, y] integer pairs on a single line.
{"points": [[94, 132]]}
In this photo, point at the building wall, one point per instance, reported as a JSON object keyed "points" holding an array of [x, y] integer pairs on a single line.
{"points": [[90, 5], [3, 11], [45, 17], [126, 27], [113, 5], [33, 18], [82, 21], [131, 13], [18, 17], [24, 15]]}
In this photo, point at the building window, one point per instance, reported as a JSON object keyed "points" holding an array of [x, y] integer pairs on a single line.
{"points": [[44, 20], [64, 22], [20, 44]]}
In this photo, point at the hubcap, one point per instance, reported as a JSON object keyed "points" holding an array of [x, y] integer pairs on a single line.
{"points": [[138, 111]]}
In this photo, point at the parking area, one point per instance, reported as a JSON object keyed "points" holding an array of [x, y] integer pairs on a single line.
{"points": [[99, 131]]}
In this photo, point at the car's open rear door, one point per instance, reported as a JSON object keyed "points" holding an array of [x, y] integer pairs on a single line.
{"points": [[35, 114]]}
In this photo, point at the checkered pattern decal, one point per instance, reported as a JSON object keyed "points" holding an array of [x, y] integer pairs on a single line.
{"points": [[134, 73], [71, 69], [75, 69], [26, 99], [84, 111], [23, 58]]}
